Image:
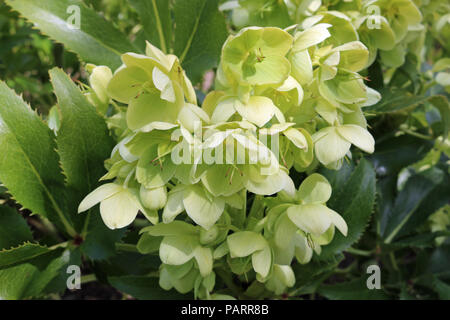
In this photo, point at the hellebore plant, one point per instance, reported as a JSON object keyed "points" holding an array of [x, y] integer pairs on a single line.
{"points": [[233, 161], [262, 94]]}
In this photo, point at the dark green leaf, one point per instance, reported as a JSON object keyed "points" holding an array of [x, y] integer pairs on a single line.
{"points": [[22, 253], [424, 240], [417, 188], [442, 289], [29, 165], [129, 263], [431, 202], [99, 243], [199, 35], [13, 228], [96, 41], [31, 278], [156, 20], [309, 276], [354, 202], [145, 288], [58, 284], [83, 140], [391, 156], [352, 290], [439, 263], [394, 100], [442, 104]]}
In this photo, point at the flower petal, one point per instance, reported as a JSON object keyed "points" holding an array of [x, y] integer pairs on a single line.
{"points": [[358, 136], [101, 193], [311, 218], [329, 146], [244, 243], [120, 210], [258, 110], [314, 189], [204, 211]]}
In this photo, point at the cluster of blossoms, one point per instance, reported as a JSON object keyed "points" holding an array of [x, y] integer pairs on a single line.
{"points": [[282, 101], [390, 28]]}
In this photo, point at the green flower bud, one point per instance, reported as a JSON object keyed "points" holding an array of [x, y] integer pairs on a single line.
{"points": [[208, 236], [153, 199]]}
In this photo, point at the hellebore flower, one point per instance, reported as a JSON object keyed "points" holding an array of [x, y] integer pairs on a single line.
{"points": [[302, 223], [180, 244], [332, 143], [154, 86], [119, 205], [256, 56]]}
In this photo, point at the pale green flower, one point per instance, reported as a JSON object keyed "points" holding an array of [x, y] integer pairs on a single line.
{"points": [[181, 244], [332, 143], [301, 223], [153, 199], [282, 277], [246, 243], [119, 205], [400, 14], [256, 56]]}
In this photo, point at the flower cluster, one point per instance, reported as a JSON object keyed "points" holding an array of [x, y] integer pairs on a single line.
{"points": [[283, 101], [390, 28]]}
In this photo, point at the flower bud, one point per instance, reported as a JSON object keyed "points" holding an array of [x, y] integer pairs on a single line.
{"points": [[153, 199], [208, 236]]}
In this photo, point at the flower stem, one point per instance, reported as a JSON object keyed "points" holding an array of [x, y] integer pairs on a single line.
{"points": [[126, 247]]}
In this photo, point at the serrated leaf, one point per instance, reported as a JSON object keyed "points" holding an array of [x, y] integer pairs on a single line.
{"points": [[309, 276], [416, 190], [22, 253], [391, 156], [425, 240], [156, 21], [83, 141], [29, 155], [430, 202], [352, 290], [70, 257], [99, 242], [394, 100], [354, 202], [97, 41], [32, 277], [199, 35], [145, 288], [13, 228]]}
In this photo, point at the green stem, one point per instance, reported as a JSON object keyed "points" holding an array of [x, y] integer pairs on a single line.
{"points": [[359, 252], [126, 247], [88, 278], [346, 270], [393, 261], [59, 245], [416, 134], [159, 27], [226, 277]]}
